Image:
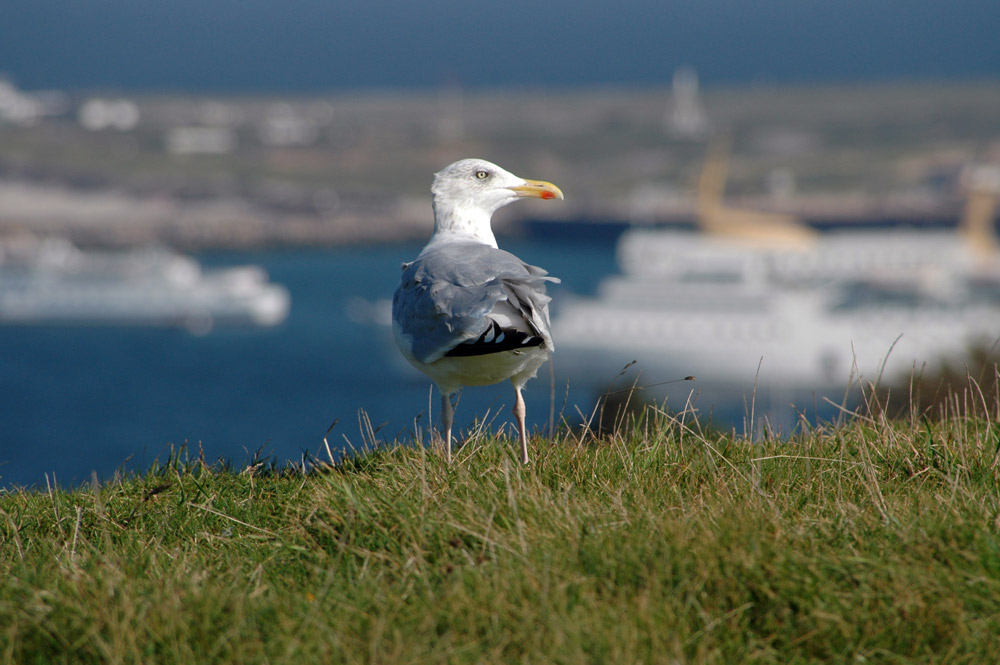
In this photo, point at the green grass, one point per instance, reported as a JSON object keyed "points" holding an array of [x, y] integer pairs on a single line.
{"points": [[874, 541]]}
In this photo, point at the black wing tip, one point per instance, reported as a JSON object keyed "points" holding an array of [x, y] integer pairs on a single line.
{"points": [[496, 340]]}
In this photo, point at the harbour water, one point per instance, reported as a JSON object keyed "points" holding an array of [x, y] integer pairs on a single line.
{"points": [[84, 400]]}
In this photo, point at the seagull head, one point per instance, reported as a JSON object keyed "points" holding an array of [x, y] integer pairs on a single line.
{"points": [[467, 193]]}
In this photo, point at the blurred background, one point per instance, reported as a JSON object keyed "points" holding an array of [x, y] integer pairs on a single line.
{"points": [[204, 206]]}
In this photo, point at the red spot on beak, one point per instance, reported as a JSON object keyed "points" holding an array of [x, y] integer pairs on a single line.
{"points": [[548, 195]]}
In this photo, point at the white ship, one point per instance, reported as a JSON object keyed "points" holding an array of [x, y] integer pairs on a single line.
{"points": [[757, 300], [721, 325], [53, 282]]}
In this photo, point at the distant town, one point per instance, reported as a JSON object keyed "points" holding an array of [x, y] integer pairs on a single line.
{"points": [[204, 171]]}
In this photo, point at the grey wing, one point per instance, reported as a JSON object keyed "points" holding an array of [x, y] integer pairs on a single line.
{"points": [[444, 299], [435, 317], [527, 295]]}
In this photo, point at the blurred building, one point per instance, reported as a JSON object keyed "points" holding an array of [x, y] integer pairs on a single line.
{"points": [[685, 118]]}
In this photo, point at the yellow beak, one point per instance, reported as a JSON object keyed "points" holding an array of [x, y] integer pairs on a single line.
{"points": [[538, 189]]}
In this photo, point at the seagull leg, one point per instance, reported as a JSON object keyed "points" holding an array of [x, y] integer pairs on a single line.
{"points": [[519, 413], [447, 417]]}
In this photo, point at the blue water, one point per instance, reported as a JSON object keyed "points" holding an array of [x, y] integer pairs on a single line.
{"points": [[315, 45], [77, 401]]}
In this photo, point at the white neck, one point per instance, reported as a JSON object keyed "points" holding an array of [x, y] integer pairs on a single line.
{"points": [[458, 222]]}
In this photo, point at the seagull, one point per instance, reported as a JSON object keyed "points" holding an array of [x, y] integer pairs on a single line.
{"points": [[467, 313]]}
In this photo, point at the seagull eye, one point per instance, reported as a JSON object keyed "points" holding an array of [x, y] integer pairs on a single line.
{"points": [[482, 175]]}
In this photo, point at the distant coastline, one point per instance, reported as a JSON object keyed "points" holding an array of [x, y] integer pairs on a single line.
{"points": [[216, 171]]}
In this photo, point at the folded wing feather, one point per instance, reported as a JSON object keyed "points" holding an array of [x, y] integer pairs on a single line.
{"points": [[443, 302]]}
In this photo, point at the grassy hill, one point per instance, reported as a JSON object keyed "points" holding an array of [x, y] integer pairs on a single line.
{"points": [[873, 541]]}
